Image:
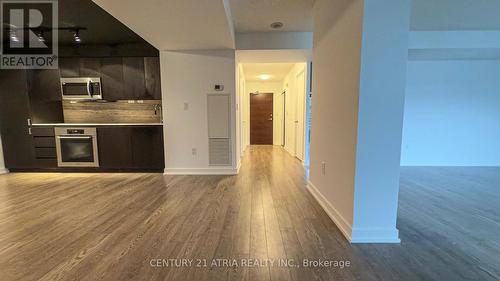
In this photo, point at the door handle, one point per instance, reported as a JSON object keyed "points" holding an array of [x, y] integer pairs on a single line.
{"points": [[89, 88]]}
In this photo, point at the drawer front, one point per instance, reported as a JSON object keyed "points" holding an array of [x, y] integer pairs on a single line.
{"points": [[44, 142], [42, 132], [44, 153]]}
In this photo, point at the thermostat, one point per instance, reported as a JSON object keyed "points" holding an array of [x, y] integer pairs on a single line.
{"points": [[219, 88]]}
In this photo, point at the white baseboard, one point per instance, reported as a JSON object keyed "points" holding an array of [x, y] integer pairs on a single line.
{"points": [[375, 235], [344, 226], [354, 235], [201, 171], [3, 171]]}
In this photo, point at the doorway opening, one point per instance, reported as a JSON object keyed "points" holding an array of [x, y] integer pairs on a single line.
{"points": [[274, 100]]}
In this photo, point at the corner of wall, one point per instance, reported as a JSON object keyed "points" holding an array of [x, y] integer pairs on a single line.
{"points": [[344, 226]]}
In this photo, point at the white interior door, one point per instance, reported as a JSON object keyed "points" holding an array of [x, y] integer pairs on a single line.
{"points": [[300, 118]]}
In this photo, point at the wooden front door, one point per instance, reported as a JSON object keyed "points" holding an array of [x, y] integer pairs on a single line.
{"points": [[261, 118]]}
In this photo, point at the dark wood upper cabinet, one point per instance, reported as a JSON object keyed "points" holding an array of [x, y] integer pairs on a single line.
{"points": [[44, 84], [69, 67], [152, 77], [45, 96], [122, 78], [133, 78], [14, 112], [112, 78], [90, 67]]}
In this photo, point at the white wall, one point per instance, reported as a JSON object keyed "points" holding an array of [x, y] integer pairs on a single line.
{"points": [[360, 51], [276, 89], [187, 78], [2, 164], [273, 40], [337, 42], [452, 113]]}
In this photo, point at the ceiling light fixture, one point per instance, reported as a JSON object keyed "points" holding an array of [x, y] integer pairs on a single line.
{"points": [[264, 77], [276, 25]]}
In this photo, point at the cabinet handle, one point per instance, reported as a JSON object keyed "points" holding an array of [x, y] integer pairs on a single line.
{"points": [[29, 131], [28, 121]]}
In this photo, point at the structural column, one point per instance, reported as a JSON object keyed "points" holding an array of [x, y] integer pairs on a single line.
{"points": [[360, 53]]}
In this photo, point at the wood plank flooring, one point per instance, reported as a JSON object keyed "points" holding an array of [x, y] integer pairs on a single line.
{"points": [[114, 226]]}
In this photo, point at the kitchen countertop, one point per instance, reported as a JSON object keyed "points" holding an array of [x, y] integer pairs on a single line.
{"points": [[94, 124]]}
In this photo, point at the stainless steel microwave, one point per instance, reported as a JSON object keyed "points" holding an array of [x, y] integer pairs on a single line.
{"points": [[81, 88]]}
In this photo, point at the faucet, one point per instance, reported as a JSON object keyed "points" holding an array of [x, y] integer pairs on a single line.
{"points": [[158, 111]]}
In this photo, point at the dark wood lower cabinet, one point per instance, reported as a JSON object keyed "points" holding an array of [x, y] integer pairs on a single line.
{"points": [[147, 147], [120, 148], [114, 145], [131, 148]]}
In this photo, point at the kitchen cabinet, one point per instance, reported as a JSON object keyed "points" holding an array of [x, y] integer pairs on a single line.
{"points": [[147, 147], [133, 79], [112, 78], [131, 147], [90, 67], [14, 112], [122, 78], [114, 145], [69, 67], [45, 96], [152, 77]]}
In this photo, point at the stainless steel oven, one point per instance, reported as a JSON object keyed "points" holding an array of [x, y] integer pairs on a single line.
{"points": [[81, 88], [77, 147]]}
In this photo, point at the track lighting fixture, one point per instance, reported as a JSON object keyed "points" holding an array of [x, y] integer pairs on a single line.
{"points": [[76, 35]]}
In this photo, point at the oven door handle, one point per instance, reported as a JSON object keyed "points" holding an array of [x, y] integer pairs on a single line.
{"points": [[74, 137]]}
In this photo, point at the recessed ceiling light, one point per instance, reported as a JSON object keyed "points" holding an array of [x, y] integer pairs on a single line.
{"points": [[276, 25], [264, 77]]}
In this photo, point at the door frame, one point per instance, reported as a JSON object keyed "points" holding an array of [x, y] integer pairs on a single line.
{"points": [[300, 120]]}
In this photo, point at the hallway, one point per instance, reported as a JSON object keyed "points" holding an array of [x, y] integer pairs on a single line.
{"points": [[129, 226]]}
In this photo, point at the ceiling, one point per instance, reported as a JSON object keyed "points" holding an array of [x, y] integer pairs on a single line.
{"points": [[99, 26], [102, 28], [455, 15], [176, 24], [257, 15], [276, 71], [273, 56]]}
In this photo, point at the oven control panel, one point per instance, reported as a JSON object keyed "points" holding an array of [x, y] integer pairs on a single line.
{"points": [[75, 131]]}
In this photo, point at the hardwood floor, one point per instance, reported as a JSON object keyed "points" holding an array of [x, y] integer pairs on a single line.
{"points": [[116, 226]]}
